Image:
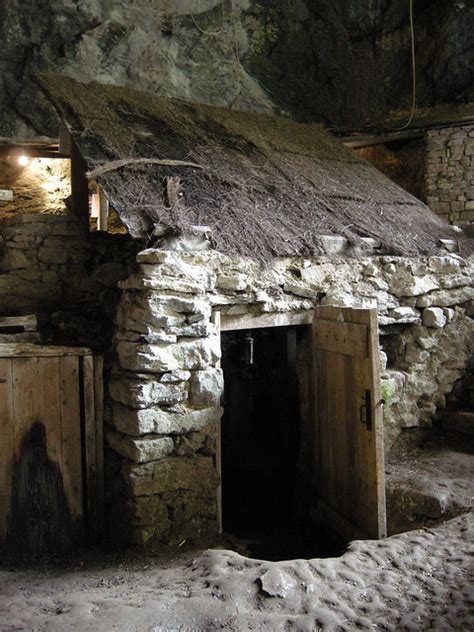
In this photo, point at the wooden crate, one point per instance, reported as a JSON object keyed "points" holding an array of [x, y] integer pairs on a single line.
{"points": [[50, 447]]}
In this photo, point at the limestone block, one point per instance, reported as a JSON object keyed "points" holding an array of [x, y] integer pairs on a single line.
{"points": [[195, 330], [339, 298], [172, 284], [300, 290], [53, 255], [175, 376], [319, 276], [156, 358], [159, 337], [427, 341], [235, 282], [445, 298], [140, 450], [171, 474], [148, 511], [141, 391], [202, 442], [406, 284], [458, 280], [186, 505], [434, 317], [448, 264], [405, 314], [14, 260], [178, 420], [206, 388]]}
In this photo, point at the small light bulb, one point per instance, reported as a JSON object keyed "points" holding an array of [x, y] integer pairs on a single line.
{"points": [[23, 161]]}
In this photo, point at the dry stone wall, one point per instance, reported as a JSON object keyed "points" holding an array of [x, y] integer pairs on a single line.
{"points": [[449, 178], [166, 387], [52, 267]]}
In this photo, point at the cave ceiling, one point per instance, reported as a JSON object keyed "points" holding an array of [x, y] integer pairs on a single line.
{"points": [[345, 63]]}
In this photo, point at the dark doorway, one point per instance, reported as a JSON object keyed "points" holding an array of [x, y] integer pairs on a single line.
{"points": [[266, 444]]}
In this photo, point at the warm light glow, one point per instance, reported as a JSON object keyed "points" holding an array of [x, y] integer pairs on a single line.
{"points": [[23, 161]]}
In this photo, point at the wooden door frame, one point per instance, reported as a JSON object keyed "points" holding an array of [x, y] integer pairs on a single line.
{"points": [[239, 322]]}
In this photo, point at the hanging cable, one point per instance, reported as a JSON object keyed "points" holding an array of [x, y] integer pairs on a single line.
{"points": [[210, 33], [413, 72]]}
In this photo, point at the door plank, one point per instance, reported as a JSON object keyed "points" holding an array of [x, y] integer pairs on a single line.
{"points": [[99, 437], [347, 338], [51, 409], [90, 454], [71, 433], [350, 479], [28, 398], [6, 442]]}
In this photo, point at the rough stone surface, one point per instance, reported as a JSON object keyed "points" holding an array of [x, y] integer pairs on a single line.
{"points": [[171, 474], [421, 361], [173, 421], [238, 54], [140, 450], [141, 391], [449, 173], [434, 317], [206, 388]]}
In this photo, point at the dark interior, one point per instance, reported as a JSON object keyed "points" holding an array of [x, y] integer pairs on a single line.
{"points": [[266, 466]]}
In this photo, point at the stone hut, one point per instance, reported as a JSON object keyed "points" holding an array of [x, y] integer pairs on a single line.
{"points": [[290, 311]]}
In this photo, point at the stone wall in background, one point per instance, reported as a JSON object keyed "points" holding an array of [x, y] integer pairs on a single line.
{"points": [[51, 267], [449, 174], [43, 185], [166, 386]]}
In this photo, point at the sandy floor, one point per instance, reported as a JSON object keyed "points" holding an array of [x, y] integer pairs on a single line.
{"points": [[420, 580]]}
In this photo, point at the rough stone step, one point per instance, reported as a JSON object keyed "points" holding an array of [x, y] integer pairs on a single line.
{"points": [[461, 422]]}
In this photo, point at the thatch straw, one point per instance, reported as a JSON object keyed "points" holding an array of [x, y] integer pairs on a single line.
{"points": [[267, 187]]}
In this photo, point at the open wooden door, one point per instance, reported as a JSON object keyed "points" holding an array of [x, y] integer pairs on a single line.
{"points": [[348, 442]]}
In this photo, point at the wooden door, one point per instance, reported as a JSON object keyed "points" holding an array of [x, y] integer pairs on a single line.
{"points": [[348, 441], [47, 448]]}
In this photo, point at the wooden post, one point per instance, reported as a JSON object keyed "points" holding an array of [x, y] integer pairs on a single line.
{"points": [[79, 187], [216, 319], [99, 439], [103, 211]]}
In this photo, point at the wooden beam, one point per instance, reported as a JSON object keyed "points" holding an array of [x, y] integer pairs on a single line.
{"points": [[216, 319], [99, 441], [25, 350], [29, 323], [253, 321], [102, 219], [79, 187]]}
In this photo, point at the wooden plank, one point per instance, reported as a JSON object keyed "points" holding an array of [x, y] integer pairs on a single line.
{"points": [[340, 337], [29, 323], [71, 434], [28, 397], [216, 319], [99, 438], [51, 415], [90, 454], [349, 455], [6, 442], [25, 350], [102, 219], [252, 321]]}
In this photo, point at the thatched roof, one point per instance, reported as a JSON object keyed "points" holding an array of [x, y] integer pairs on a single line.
{"points": [[265, 185]]}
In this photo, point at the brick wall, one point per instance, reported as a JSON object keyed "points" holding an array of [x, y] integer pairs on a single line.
{"points": [[449, 175]]}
